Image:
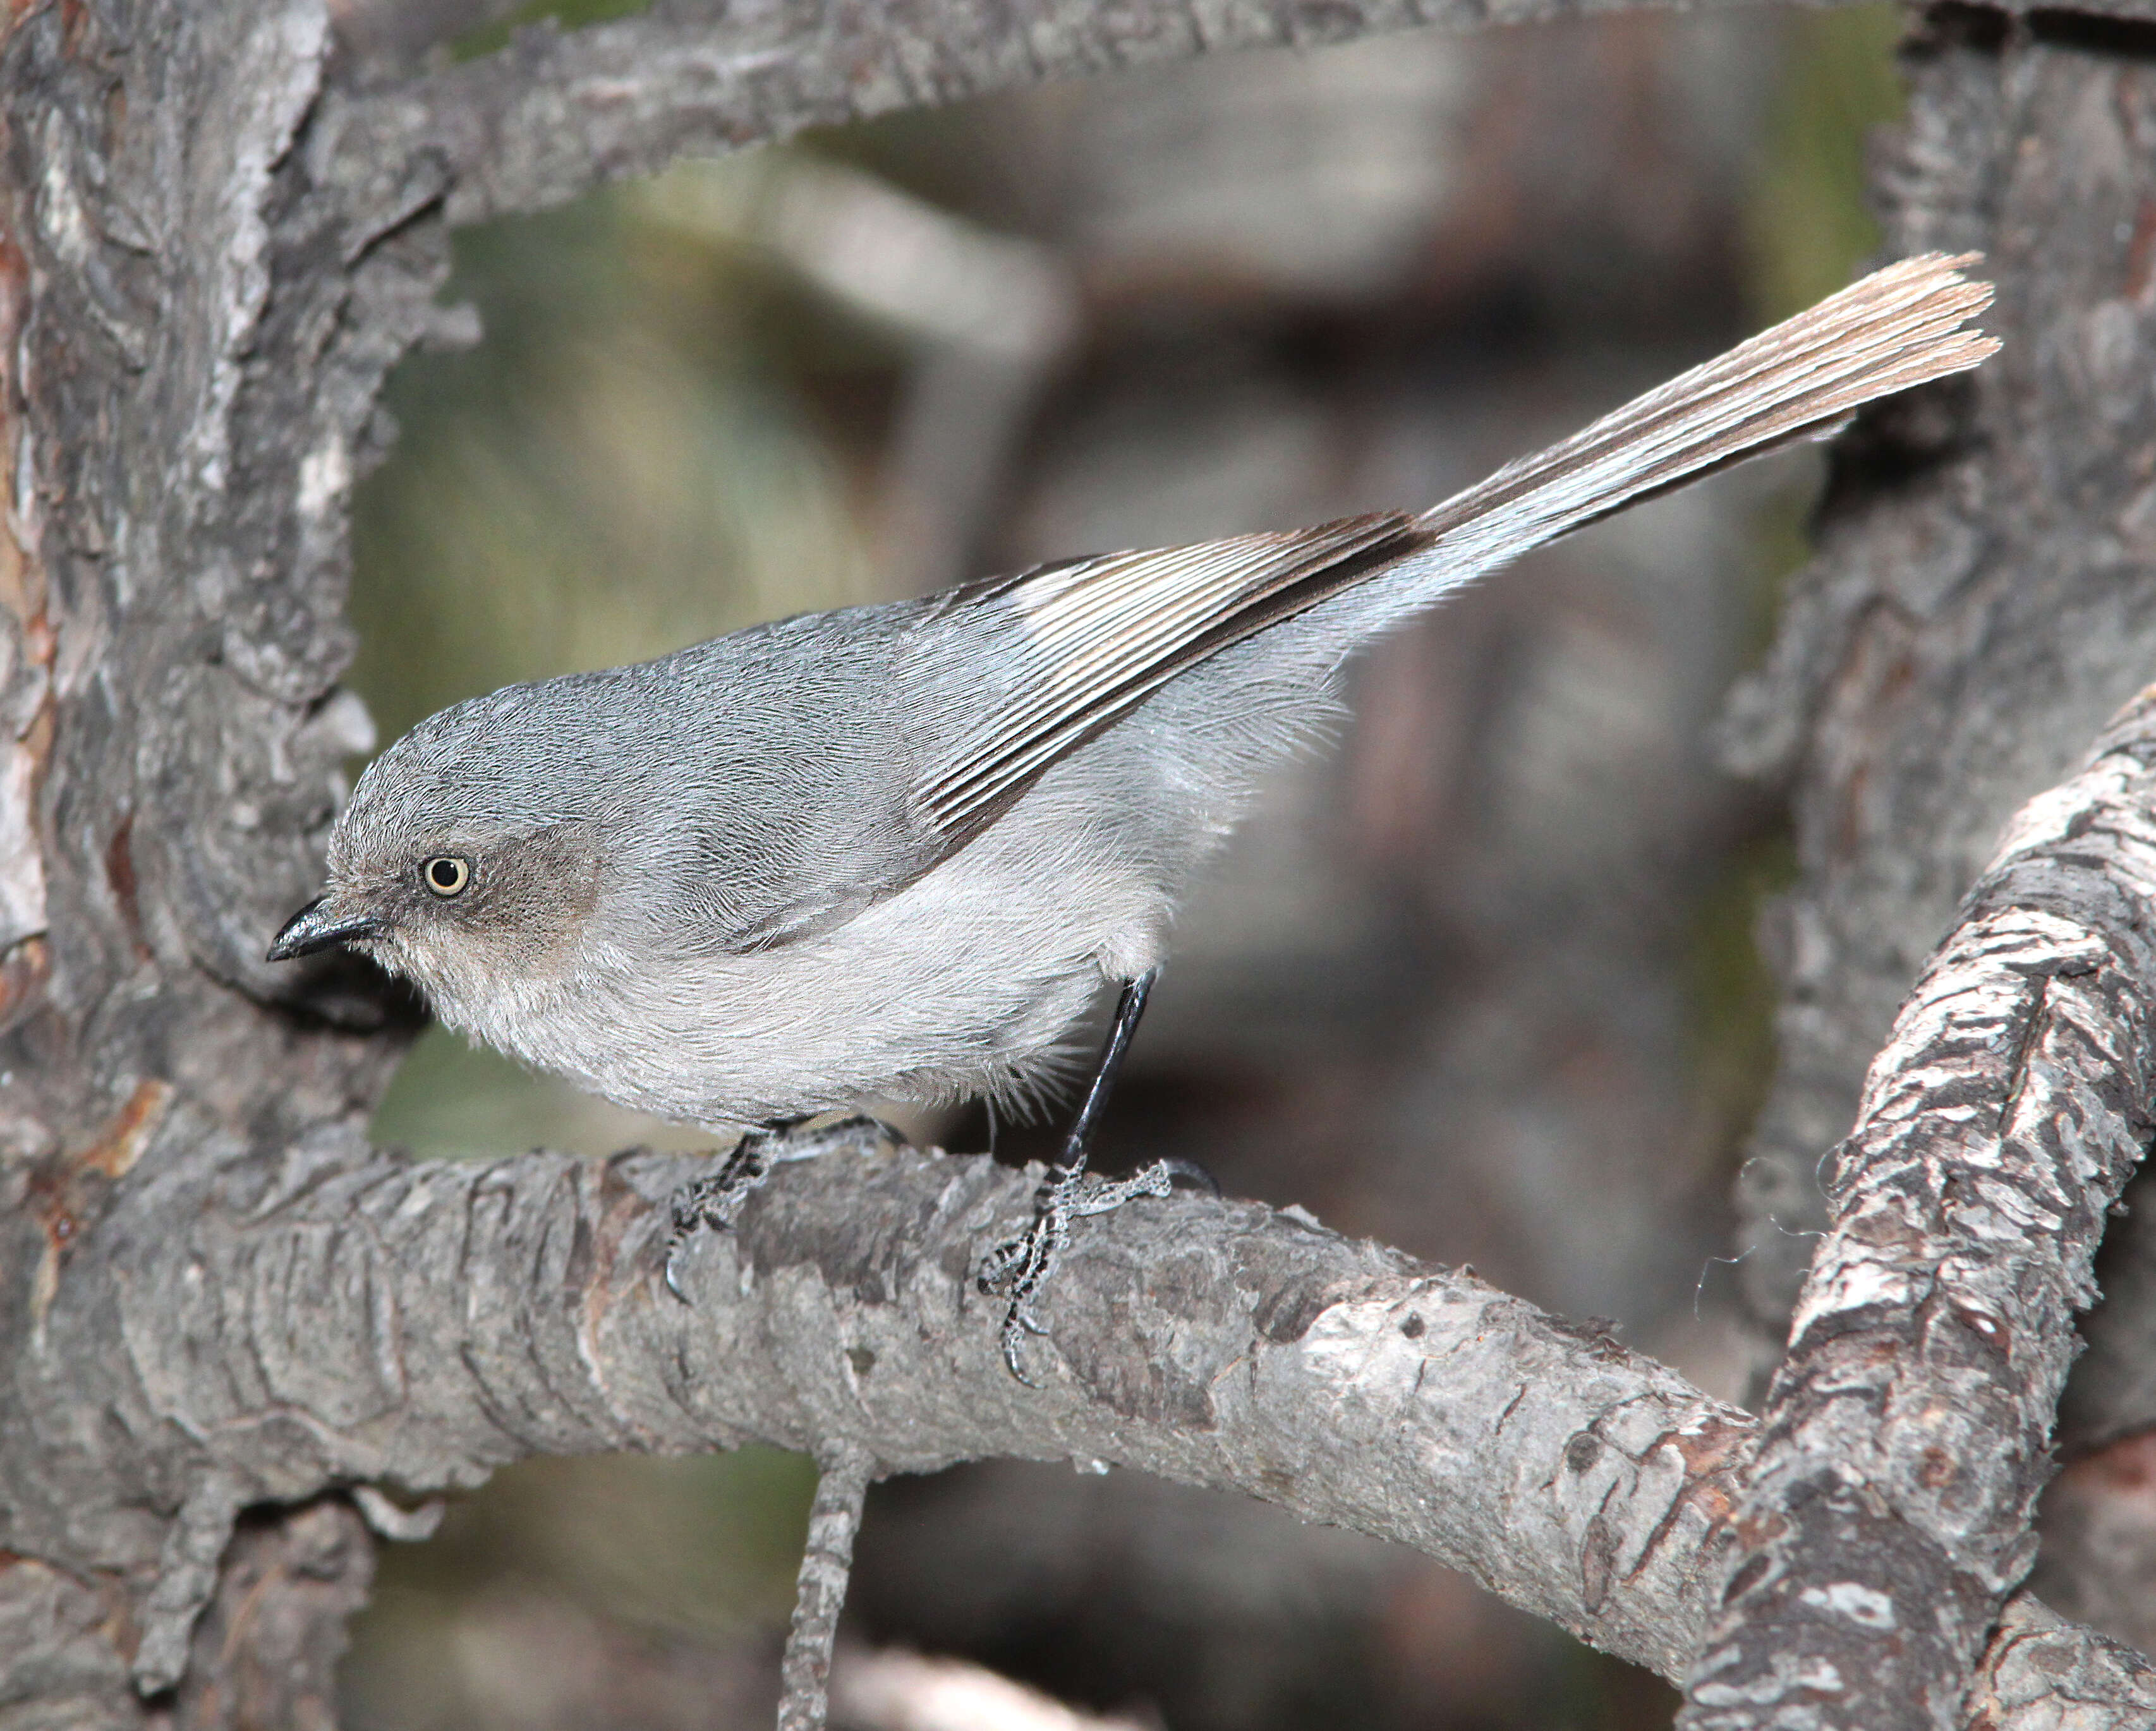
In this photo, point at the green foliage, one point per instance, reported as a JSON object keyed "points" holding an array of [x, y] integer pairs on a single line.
{"points": [[1810, 229]]}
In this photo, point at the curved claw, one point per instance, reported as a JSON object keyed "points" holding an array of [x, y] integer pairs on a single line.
{"points": [[1176, 1166], [673, 1279], [686, 1219], [1014, 1338]]}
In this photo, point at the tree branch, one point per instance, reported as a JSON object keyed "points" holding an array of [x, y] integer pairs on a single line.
{"points": [[842, 1476], [217, 1298], [558, 113], [332, 1316], [1887, 1515]]}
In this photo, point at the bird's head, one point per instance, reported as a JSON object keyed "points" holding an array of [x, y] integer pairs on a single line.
{"points": [[469, 858]]}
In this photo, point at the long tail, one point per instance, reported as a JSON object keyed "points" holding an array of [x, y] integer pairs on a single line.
{"points": [[1094, 639], [1900, 326]]}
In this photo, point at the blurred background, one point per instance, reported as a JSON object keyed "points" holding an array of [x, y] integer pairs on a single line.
{"points": [[1479, 981]]}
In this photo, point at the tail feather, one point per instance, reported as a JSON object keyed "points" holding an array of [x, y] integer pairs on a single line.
{"points": [[1901, 326], [1099, 638]]}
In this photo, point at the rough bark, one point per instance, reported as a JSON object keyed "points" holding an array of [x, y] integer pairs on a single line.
{"points": [[336, 1317], [219, 1310], [826, 1562], [175, 434], [1977, 612], [353, 1318], [1964, 631], [1887, 1511]]}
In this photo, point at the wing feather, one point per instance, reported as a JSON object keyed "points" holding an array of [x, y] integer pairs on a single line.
{"points": [[1099, 636], [1025, 670]]}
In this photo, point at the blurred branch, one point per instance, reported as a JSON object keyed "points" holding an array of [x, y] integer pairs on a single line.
{"points": [[556, 113], [1887, 1514], [380, 35], [988, 317], [221, 1306]]}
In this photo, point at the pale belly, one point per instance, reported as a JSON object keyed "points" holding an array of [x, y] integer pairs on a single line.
{"points": [[968, 983]]}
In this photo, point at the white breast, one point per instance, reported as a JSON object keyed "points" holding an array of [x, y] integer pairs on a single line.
{"points": [[965, 982]]}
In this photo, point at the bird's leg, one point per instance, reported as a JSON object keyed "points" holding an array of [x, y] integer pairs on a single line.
{"points": [[1021, 1267], [715, 1199]]}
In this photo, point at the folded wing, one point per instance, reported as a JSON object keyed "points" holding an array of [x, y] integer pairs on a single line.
{"points": [[1096, 636]]}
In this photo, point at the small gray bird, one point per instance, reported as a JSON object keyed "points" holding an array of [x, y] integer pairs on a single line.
{"points": [[895, 852]]}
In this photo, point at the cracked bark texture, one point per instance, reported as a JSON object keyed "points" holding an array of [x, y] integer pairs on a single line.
{"points": [[222, 1315], [335, 1316], [1976, 612], [1962, 634], [1887, 1511]]}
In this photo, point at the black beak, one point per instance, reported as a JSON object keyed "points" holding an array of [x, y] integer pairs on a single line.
{"points": [[318, 926]]}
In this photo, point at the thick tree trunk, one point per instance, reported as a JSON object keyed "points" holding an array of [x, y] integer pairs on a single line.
{"points": [[185, 403]]}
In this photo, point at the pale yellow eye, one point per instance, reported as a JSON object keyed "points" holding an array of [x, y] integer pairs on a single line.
{"points": [[446, 875]]}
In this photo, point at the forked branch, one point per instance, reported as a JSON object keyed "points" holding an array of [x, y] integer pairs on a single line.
{"points": [[1886, 1515]]}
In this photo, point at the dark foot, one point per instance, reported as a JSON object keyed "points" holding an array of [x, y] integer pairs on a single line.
{"points": [[715, 1199], [1020, 1268]]}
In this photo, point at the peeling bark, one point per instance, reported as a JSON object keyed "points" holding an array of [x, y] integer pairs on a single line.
{"points": [[1906, 1437], [1968, 624]]}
